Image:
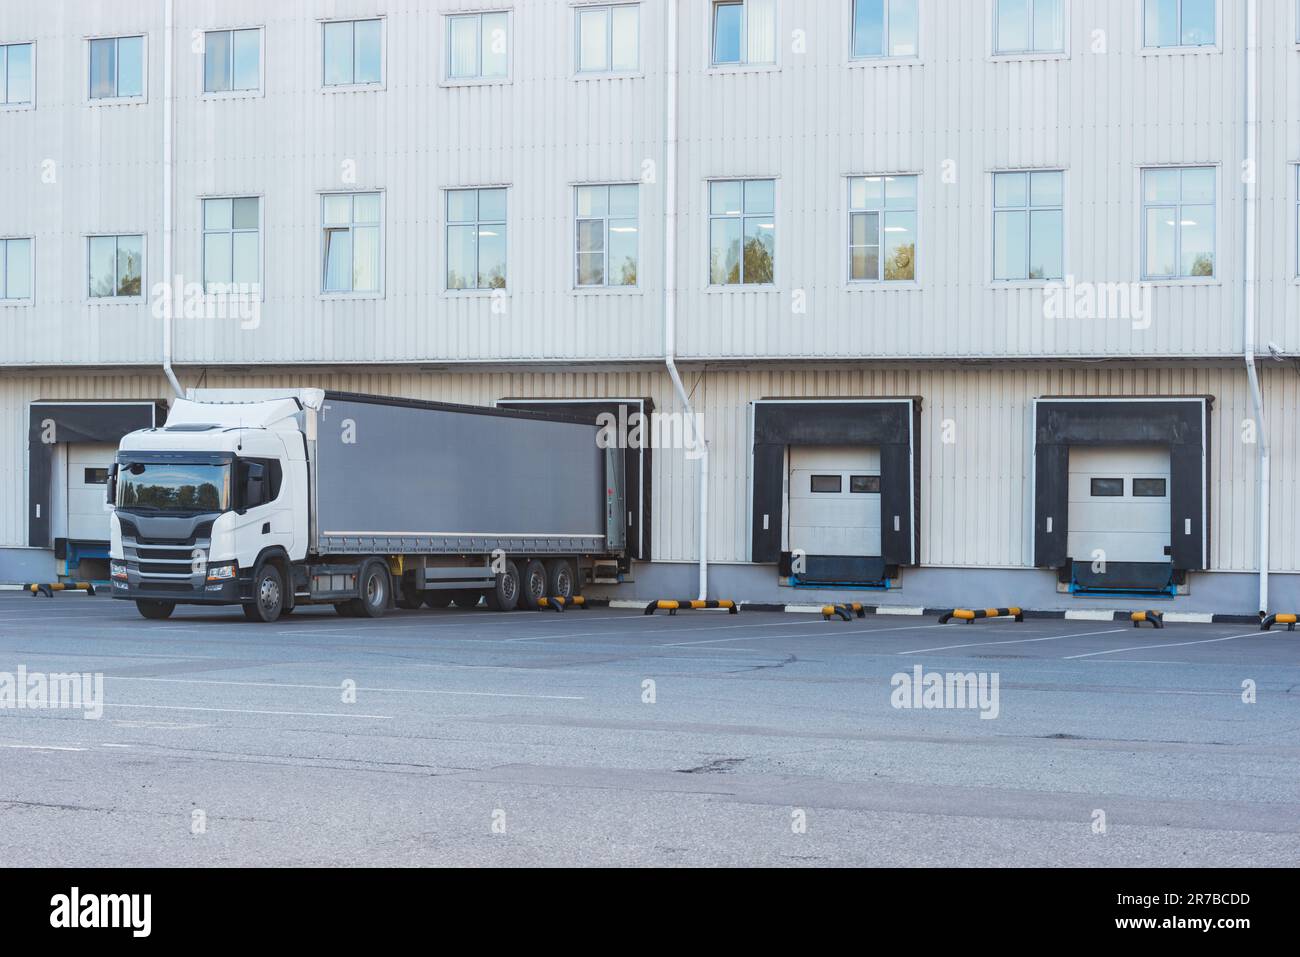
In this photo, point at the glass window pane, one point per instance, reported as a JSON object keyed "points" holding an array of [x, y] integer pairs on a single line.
{"points": [[1046, 189], [868, 193], [338, 53], [1198, 22], [462, 205], [1198, 185], [245, 213], [863, 229], [1013, 25], [1049, 25], [338, 209], [900, 246], [496, 44], [491, 205], [216, 63], [760, 250], [492, 257], [1161, 23], [463, 57], [247, 60], [4, 96], [760, 196], [868, 28], [592, 200], [727, 19], [623, 234], [216, 214], [19, 75], [103, 68], [368, 56], [130, 66], [1047, 245], [591, 236], [461, 268], [17, 282], [591, 269], [902, 28], [864, 261], [760, 31], [623, 201], [365, 208], [103, 265], [724, 198], [130, 264], [592, 49], [900, 192], [246, 267], [1162, 185], [1161, 242], [724, 252], [1010, 257], [338, 260], [216, 259], [365, 259], [1197, 227], [626, 56], [1010, 190]]}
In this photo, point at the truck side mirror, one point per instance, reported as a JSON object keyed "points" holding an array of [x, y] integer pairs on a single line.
{"points": [[255, 485], [110, 487]]}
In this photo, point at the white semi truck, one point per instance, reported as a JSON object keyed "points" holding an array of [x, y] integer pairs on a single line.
{"points": [[274, 499]]}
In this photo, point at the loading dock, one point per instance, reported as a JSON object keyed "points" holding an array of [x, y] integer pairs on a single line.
{"points": [[834, 501]]}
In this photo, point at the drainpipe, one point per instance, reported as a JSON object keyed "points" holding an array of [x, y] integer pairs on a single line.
{"points": [[168, 226], [1250, 299], [670, 287]]}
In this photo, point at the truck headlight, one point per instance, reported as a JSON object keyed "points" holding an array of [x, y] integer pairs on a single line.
{"points": [[117, 570], [217, 573]]}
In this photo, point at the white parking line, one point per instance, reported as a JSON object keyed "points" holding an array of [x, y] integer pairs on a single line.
{"points": [[1016, 641], [1171, 644], [278, 684], [41, 747], [294, 714], [829, 633]]}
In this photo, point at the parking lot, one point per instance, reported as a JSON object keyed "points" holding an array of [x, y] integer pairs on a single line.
{"points": [[603, 736]]}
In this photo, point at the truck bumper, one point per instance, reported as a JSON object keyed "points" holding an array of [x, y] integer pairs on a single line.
{"points": [[220, 593]]}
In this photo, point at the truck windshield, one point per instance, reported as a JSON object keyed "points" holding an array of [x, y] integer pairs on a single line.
{"points": [[173, 487]]}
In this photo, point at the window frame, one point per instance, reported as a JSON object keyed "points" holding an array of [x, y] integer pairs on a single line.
{"points": [[1029, 54], [352, 294], [144, 270], [609, 6], [5, 105], [743, 64], [353, 87], [446, 79], [475, 290], [606, 286], [883, 59], [261, 242], [710, 217], [1179, 49], [143, 97], [30, 298], [846, 232], [260, 89], [1143, 205], [994, 209]]}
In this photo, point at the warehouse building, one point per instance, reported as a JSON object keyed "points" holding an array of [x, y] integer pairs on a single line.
{"points": [[989, 302]]}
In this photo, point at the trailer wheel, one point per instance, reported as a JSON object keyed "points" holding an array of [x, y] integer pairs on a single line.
{"points": [[344, 608], [156, 610], [466, 599], [440, 598], [533, 582], [561, 580], [504, 596], [408, 598], [268, 595], [374, 591]]}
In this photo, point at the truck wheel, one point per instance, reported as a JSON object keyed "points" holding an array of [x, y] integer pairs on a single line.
{"points": [[374, 591], [156, 610], [504, 596], [533, 585], [268, 595], [561, 580], [437, 599], [466, 599], [344, 608]]}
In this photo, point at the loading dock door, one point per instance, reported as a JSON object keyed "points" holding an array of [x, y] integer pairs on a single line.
{"points": [[87, 483], [834, 501], [1119, 518]]}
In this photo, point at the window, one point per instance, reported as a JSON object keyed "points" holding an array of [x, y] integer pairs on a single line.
{"points": [[607, 39], [1179, 23], [1148, 488], [117, 68], [16, 74], [354, 52], [116, 267], [1107, 488], [232, 61], [1178, 208], [350, 262], [95, 476], [476, 238], [478, 46], [15, 269], [742, 232], [607, 235], [1029, 26], [882, 228], [884, 28], [827, 484], [231, 244], [1028, 226], [864, 485], [744, 32]]}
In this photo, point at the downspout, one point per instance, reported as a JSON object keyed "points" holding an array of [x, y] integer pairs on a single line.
{"points": [[694, 430], [168, 226], [1250, 299]]}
